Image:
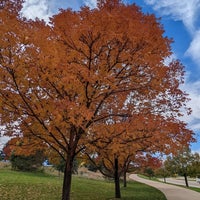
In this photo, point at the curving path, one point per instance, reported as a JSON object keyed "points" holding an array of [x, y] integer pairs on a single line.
{"points": [[171, 192], [181, 181]]}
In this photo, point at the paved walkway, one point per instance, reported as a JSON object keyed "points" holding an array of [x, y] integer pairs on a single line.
{"points": [[171, 192], [181, 181]]}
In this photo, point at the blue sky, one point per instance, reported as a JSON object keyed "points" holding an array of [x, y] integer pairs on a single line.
{"points": [[180, 19]]}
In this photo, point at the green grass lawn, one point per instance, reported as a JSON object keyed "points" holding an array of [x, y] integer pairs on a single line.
{"points": [[195, 189], [39, 186]]}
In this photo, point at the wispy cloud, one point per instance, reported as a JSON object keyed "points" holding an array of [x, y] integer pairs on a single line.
{"points": [[186, 11], [193, 89], [194, 48], [182, 10], [193, 120]]}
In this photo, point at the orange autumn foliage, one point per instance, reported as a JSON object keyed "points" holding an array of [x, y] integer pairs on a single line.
{"points": [[19, 146], [131, 141]]}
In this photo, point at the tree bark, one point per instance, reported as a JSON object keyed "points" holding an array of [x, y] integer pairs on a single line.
{"points": [[186, 181], [67, 178], [125, 181], [164, 179], [117, 182]]}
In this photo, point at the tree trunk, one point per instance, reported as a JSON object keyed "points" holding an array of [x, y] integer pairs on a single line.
{"points": [[117, 183], [125, 182], [164, 179], [67, 178], [186, 181]]}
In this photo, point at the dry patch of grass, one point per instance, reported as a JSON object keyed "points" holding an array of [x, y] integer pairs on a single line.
{"points": [[5, 165], [84, 172]]}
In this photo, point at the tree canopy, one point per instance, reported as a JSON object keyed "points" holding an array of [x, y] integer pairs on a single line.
{"points": [[59, 83], [183, 163]]}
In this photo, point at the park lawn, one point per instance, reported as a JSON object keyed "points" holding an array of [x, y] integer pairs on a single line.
{"points": [[40, 186], [195, 189]]}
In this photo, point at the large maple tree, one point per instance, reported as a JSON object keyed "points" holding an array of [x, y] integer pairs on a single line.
{"points": [[60, 81]]}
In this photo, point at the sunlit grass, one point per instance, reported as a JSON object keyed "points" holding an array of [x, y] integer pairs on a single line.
{"points": [[40, 186], [22, 185]]}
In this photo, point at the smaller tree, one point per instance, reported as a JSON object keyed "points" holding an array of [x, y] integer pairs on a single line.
{"points": [[162, 172], [149, 172], [180, 163], [120, 144], [148, 164], [194, 167]]}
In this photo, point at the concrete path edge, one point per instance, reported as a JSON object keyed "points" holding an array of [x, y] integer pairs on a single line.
{"points": [[171, 192]]}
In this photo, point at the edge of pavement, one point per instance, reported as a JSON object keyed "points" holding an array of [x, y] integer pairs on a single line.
{"points": [[171, 192]]}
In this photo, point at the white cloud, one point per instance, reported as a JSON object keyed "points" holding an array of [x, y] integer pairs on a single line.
{"points": [[36, 8], [91, 3], [193, 89], [186, 11], [194, 48], [3, 141], [193, 120], [169, 59], [43, 9]]}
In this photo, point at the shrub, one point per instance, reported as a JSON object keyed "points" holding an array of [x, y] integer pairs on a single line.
{"points": [[27, 163]]}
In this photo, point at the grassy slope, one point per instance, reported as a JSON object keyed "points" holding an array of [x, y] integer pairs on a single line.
{"points": [[30, 186]]}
